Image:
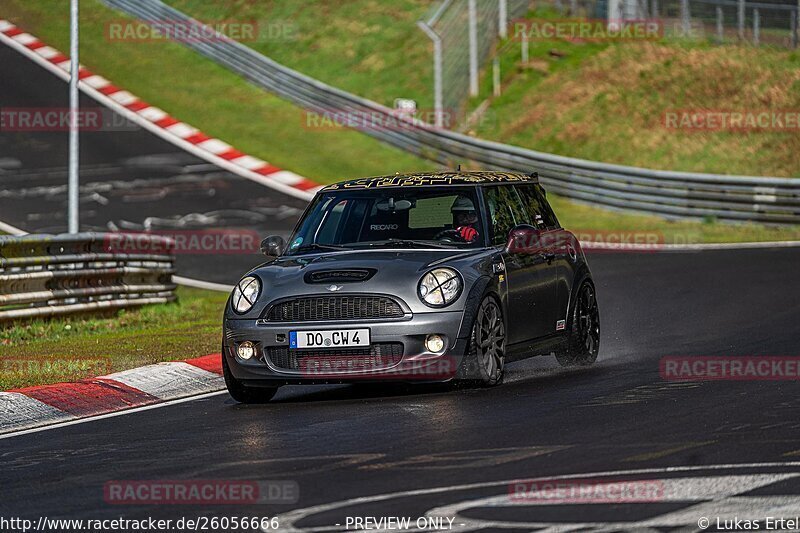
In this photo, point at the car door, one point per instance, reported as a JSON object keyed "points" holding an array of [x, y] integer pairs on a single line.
{"points": [[555, 247], [530, 287]]}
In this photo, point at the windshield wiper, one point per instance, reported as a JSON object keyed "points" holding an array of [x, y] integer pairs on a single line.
{"points": [[318, 247], [406, 242]]}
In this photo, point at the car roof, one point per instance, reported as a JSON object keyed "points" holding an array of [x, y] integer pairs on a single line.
{"points": [[434, 179]]}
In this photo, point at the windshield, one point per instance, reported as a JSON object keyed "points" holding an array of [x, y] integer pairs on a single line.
{"points": [[391, 218]]}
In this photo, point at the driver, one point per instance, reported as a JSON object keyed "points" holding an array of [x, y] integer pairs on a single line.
{"points": [[465, 218]]}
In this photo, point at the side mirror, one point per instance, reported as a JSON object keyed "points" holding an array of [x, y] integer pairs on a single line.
{"points": [[273, 246], [524, 239]]}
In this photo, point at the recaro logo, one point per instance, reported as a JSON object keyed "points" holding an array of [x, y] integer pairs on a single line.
{"points": [[383, 227]]}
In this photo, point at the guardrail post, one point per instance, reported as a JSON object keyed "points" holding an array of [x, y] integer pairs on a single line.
{"points": [[686, 23], [496, 76], [502, 18], [524, 46], [794, 19], [756, 26], [473, 48], [437, 73], [720, 27], [740, 19]]}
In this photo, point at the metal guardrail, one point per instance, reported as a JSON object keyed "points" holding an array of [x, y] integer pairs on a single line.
{"points": [[666, 193], [46, 275]]}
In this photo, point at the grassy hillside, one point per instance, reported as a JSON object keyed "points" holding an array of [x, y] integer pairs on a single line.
{"points": [[589, 100], [368, 47], [608, 103]]}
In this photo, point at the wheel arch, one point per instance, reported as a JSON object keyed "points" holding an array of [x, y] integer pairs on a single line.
{"points": [[582, 275], [483, 286]]}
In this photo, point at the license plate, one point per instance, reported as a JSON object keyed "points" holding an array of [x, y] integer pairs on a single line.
{"points": [[334, 338]]}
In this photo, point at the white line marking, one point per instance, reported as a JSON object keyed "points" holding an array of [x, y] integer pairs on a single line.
{"points": [[123, 97], [112, 415], [249, 162], [8, 228], [286, 176], [200, 284], [18, 412], [181, 130], [25, 38], [169, 380], [289, 518], [96, 82], [215, 146], [152, 113], [47, 52]]}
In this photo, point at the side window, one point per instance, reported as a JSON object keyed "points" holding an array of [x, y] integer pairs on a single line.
{"points": [[505, 211], [537, 207], [549, 215]]}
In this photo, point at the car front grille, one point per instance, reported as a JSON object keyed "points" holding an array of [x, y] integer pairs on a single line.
{"points": [[345, 307], [380, 355]]}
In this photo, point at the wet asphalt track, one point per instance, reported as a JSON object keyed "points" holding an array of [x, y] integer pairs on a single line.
{"points": [[343, 442]]}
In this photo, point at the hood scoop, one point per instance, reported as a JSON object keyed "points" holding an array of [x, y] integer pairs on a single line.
{"points": [[340, 275]]}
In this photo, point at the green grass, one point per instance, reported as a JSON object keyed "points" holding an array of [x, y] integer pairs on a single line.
{"points": [[590, 100], [607, 102], [63, 349], [597, 101], [372, 48]]}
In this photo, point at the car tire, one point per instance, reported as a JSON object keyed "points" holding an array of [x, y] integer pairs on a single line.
{"points": [[241, 392], [488, 343], [583, 338]]}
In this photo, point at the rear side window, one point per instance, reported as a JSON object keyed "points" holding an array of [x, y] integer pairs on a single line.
{"points": [[539, 212], [505, 211]]}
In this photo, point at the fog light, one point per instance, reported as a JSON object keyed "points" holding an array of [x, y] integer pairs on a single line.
{"points": [[246, 350], [434, 343]]}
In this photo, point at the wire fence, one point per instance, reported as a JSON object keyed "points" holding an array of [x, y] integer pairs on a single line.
{"points": [[772, 23], [463, 33]]}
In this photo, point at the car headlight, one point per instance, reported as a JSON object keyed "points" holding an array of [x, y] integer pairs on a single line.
{"points": [[439, 287], [245, 294]]}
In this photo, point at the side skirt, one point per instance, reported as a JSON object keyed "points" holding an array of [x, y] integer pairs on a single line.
{"points": [[542, 346]]}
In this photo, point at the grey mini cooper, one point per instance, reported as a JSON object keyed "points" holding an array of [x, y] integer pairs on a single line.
{"points": [[416, 277]]}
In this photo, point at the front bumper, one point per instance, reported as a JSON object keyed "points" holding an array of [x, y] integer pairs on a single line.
{"points": [[414, 364]]}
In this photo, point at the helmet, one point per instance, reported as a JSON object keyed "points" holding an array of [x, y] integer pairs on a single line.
{"points": [[462, 203]]}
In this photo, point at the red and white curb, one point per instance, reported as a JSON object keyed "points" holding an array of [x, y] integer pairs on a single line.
{"points": [[42, 405], [156, 120]]}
